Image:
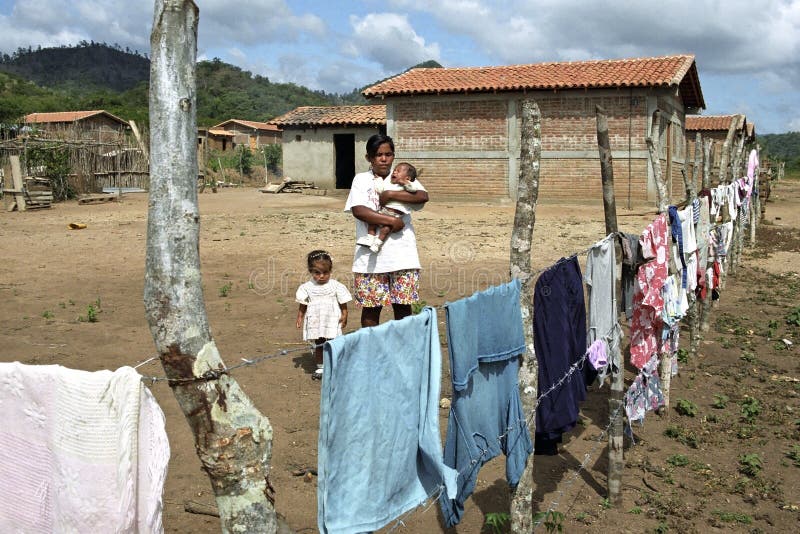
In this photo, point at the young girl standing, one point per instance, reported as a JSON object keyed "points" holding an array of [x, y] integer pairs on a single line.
{"points": [[323, 305]]}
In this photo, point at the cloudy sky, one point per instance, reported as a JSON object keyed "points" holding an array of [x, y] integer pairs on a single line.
{"points": [[748, 51]]}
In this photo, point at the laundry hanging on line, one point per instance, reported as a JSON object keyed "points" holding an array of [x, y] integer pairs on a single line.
{"points": [[80, 451], [485, 339]]}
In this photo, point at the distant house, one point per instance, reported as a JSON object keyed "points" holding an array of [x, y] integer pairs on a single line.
{"points": [[462, 125], [716, 127], [98, 125], [326, 145], [251, 133]]}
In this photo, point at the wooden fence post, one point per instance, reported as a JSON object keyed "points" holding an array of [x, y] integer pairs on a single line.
{"points": [[521, 239], [665, 361], [616, 461], [233, 440], [695, 309], [708, 146]]}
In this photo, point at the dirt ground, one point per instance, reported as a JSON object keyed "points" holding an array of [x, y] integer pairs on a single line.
{"points": [[684, 474]]}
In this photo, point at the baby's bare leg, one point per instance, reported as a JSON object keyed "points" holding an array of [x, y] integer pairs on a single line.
{"points": [[372, 229], [384, 232]]}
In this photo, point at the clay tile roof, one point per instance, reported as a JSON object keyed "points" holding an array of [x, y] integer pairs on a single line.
{"points": [[67, 116], [709, 122], [333, 116], [250, 124], [666, 71]]}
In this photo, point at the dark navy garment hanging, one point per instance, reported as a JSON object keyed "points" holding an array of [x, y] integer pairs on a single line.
{"points": [[559, 334]]}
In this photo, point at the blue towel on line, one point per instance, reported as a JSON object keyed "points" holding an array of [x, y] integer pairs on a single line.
{"points": [[486, 327], [380, 451]]}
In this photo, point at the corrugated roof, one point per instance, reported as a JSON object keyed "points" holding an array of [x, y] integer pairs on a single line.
{"points": [[67, 116], [250, 124], [709, 122], [219, 131], [333, 116], [666, 71]]}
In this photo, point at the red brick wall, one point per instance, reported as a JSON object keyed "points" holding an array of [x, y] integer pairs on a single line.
{"points": [[460, 123], [464, 177], [580, 179], [448, 126]]}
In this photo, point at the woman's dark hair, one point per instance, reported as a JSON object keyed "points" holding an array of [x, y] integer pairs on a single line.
{"points": [[316, 255], [374, 143]]}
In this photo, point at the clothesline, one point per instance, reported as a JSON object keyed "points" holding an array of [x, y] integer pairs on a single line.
{"points": [[214, 374]]}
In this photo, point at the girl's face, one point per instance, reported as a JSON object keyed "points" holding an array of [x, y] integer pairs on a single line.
{"points": [[321, 271], [382, 161]]}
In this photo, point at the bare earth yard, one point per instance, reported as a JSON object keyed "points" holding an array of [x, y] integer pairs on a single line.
{"points": [[684, 474]]}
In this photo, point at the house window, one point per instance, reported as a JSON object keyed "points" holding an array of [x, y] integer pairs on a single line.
{"points": [[298, 137]]}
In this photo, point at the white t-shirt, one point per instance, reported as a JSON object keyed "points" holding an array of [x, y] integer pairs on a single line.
{"points": [[399, 251]]}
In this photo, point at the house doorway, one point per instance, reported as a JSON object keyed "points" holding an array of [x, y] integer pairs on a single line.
{"points": [[344, 146]]}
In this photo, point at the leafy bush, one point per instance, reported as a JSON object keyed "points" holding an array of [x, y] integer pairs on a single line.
{"points": [[750, 464], [686, 407]]}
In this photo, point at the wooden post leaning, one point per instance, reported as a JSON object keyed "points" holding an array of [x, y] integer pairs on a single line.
{"points": [[616, 461], [521, 238]]}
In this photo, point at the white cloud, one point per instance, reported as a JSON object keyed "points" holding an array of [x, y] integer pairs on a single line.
{"points": [[255, 22], [389, 40], [794, 125]]}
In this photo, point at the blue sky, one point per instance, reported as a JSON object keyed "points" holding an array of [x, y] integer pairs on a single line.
{"points": [[748, 52]]}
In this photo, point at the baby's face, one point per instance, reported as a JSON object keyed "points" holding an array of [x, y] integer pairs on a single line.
{"points": [[399, 175]]}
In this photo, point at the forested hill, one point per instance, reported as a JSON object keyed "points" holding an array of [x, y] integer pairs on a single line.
{"points": [[83, 67], [99, 76], [783, 147]]}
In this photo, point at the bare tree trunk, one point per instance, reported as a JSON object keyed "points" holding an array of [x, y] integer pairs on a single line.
{"points": [[705, 315], [521, 239], [655, 161], [695, 308], [665, 361], [233, 440], [691, 316], [616, 461]]}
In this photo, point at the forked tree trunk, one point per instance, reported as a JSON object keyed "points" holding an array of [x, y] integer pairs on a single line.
{"points": [[521, 239], [615, 438], [233, 440], [665, 361]]}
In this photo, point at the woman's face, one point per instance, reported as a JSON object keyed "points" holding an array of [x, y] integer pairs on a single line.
{"points": [[382, 161]]}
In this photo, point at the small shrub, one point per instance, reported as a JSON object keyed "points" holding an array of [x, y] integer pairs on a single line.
{"points": [[748, 356], [416, 307], [553, 521], [683, 356], [497, 521], [793, 318], [678, 460], [794, 455], [750, 464], [636, 510], [720, 401], [682, 435], [686, 407], [225, 290], [751, 408], [47, 314], [732, 517]]}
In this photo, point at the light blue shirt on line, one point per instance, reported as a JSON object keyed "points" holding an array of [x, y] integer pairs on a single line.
{"points": [[380, 451]]}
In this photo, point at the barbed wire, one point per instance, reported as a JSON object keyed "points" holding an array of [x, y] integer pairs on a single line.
{"points": [[214, 374]]}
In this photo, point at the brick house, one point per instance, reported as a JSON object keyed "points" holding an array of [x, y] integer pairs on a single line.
{"points": [[325, 144], [716, 127], [251, 133], [462, 125], [97, 125]]}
